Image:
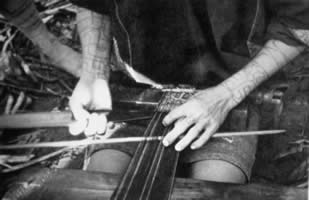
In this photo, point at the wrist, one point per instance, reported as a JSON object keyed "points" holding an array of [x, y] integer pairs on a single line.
{"points": [[95, 68], [90, 77], [228, 94]]}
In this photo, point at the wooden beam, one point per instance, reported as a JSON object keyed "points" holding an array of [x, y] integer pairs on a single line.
{"points": [[63, 119], [58, 184], [36, 120]]}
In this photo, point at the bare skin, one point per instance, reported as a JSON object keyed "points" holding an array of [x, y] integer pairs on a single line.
{"points": [[205, 112], [92, 91], [25, 17], [202, 114], [110, 161], [218, 171]]}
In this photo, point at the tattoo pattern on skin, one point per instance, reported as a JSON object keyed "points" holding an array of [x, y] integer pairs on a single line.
{"points": [[302, 35], [269, 60], [24, 15], [26, 18], [95, 34]]}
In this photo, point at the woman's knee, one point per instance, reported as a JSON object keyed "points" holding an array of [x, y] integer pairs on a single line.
{"points": [[109, 161], [218, 171]]}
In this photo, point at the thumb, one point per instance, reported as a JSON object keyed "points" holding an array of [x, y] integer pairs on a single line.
{"points": [[101, 96], [80, 115], [78, 110]]}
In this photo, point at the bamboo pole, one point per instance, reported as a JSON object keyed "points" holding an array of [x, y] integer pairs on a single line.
{"points": [[89, 141]]}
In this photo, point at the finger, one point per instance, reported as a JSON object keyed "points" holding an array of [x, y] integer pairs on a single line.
{"points": [[190, 136], [79, 113], [209, 131], [173, 116], [101, 123], [101, 96], [110, 125], [77, 127], [92, 126], [180, 127]]}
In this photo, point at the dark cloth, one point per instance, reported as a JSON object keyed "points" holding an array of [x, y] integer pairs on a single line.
{"points": [[166, 36], [262, 20], [238, 151], [13, 8]]}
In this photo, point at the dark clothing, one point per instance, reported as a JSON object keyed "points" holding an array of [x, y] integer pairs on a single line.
{"points": [[261, 20], [166, 36]]}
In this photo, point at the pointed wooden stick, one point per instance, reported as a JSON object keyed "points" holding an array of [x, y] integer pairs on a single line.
{"points": [[248, 133], [89, 141], [83, 142]]}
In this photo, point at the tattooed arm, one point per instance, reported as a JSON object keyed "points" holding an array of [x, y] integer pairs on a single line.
{"points": [[92, 90], [95, 33], [269, 60], [204, 113]]}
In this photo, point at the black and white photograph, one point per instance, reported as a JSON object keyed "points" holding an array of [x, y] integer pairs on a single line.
{"points": [[154, 99]]}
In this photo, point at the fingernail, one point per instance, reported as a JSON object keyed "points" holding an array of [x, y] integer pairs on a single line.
{"points": [[177, 148], [165, 143], [111, 125], [193, 147]]}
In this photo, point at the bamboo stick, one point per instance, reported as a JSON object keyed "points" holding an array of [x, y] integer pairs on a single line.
{"points": [[51, 119], [248, 133], [89, 141]]}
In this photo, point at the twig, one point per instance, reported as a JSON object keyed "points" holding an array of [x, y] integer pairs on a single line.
{"points": [[52, 11], [18, 103], [83, 142], [35, 161], [48, 66], [65, 85], [15, 158], [51, 3], [40, 76], [54, 92], [28, 89], [28, 71], [6, 165], [6, 44], [8, 105]]}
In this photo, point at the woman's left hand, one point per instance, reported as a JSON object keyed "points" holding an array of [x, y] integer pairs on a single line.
{"points": [[199, 118]]}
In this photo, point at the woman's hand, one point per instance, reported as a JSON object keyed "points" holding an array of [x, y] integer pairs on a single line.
{"points": [[90, 94], [199, 118]]}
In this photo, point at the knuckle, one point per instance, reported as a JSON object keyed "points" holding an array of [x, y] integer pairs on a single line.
{"points": [[189, 120], [72, 102], [203, 140], [167, 118], [194, 131]]}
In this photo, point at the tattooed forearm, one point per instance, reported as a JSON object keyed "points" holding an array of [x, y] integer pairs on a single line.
{"points": [[95, 34], [269, 60], [301, 35]]}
